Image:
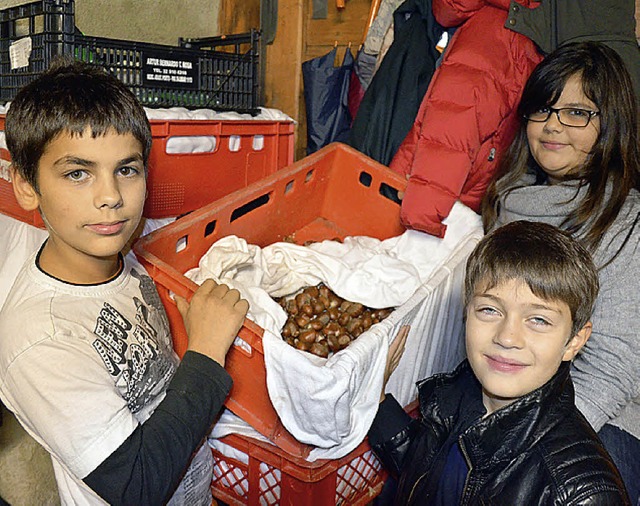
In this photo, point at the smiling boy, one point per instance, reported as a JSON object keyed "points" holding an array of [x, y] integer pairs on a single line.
{"points": [[503, 427], [86, 361]]}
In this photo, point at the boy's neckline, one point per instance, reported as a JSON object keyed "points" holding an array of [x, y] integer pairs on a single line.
{"points": [[108, 280]]}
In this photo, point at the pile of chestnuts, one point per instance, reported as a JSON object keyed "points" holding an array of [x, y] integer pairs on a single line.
{"points": [[322, 323]]}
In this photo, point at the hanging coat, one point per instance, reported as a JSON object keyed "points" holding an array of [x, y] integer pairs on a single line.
{"points": [[356, 88], [468, 116], [555, 22], [390, 104], [326, 98]]}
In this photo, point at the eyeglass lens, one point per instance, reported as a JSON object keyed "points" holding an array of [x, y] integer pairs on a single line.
{"points": [[566, 116]]}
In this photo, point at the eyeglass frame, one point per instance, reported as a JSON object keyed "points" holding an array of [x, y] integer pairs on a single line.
{"points": [[591, 114]]}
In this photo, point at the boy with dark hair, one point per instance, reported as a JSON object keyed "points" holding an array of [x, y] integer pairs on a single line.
{"points": [[86, 361], [503, 427]]}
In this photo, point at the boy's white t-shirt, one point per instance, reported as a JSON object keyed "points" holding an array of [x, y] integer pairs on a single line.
{"points": [[83, 366]]}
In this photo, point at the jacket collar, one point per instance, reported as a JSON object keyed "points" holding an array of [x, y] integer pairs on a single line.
{"points": [[508, 431]]}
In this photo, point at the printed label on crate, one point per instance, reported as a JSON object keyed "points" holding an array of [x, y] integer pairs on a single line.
{"points": [[158, 70], [19, 53]]}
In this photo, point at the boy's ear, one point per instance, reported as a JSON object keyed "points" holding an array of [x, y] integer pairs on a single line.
{"points": [[26, 194], [576, 343]]}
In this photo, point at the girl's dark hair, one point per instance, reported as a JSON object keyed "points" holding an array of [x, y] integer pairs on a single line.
{"points": [[69, 97], [613, 163]]}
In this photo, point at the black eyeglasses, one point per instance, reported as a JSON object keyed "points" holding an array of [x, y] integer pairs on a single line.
{"points": [[568, 116]]}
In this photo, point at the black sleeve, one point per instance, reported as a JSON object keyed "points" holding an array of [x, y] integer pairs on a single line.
{"points": [[391, 433], [150, 463]]}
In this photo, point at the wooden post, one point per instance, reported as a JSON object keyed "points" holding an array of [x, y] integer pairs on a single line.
{"points": [[283, 79]]}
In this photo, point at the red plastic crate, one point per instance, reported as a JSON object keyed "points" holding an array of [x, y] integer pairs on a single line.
{"points": [[335, 192], [244, 152], [178, 183], [268, 476]]}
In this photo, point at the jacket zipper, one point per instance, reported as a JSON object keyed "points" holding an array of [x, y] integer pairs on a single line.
{"points": [[413, 489], [466, 481], [469, 465]]}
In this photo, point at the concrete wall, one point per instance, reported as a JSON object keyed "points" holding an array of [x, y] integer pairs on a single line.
{"points": [[160, 21]]}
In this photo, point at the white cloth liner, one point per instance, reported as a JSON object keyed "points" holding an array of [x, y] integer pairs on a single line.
{"points": [[330, 403]]}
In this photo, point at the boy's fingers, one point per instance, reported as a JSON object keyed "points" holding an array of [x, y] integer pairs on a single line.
{"points": [[208, 284], [182, 304], [400, 340], [242, 305], [231, 295]]}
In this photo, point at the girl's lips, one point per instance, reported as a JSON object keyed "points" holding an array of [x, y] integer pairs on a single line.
{"points": [[504, 365], [106, 228], [553, 146]]}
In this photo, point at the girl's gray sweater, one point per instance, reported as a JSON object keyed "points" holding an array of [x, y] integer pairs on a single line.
{"points": [[607, 372]]}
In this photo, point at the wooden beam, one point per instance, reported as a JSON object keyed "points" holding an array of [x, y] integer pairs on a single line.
{"points": [[235, 19], [283, 79]]}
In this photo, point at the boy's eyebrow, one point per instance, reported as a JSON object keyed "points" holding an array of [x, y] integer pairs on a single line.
{"points": [[75, 160], [532, 306], [545, 307], [133, 158]]}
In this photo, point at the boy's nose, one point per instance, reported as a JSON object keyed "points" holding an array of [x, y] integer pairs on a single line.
{"points": [[509, 335], [108, 193]]}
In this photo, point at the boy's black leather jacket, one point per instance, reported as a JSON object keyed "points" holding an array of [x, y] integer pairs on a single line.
{"points": [[538, 450]]}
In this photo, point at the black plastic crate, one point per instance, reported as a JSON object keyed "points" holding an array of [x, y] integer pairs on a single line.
{"points": [[159, 75]]}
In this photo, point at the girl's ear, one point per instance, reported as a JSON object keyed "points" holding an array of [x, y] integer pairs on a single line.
{"points": [[26, 194], [576, 343]]}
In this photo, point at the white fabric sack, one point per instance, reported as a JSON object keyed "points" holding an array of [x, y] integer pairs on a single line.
{"points": [[330, 403]]}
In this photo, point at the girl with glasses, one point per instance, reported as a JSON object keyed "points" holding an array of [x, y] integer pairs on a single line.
{"points": [[574, 163]]}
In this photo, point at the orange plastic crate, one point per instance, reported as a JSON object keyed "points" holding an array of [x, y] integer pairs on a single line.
{"points": [[335, 192], [268, 476], [244, 152]]}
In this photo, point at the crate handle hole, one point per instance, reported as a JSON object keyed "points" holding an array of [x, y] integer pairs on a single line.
{"points": [[181, 244], [21, 27], [186, 144], [209, 229], [390, 193], [234, 143], [365, 179], [258, 142], [289, 187], [309, 176], [250, 206], [243, 345]]}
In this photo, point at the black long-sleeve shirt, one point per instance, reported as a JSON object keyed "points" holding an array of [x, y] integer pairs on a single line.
{"points": [[150, 463]]}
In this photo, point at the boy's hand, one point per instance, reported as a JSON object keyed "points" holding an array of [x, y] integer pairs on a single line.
{"points": [[396, 349], [212, 319]]}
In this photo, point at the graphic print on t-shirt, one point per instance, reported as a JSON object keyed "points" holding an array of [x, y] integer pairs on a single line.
{"points": [[132, 351]]}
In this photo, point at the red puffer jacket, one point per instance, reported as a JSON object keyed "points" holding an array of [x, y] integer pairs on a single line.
{"points": [[468, 115]]}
